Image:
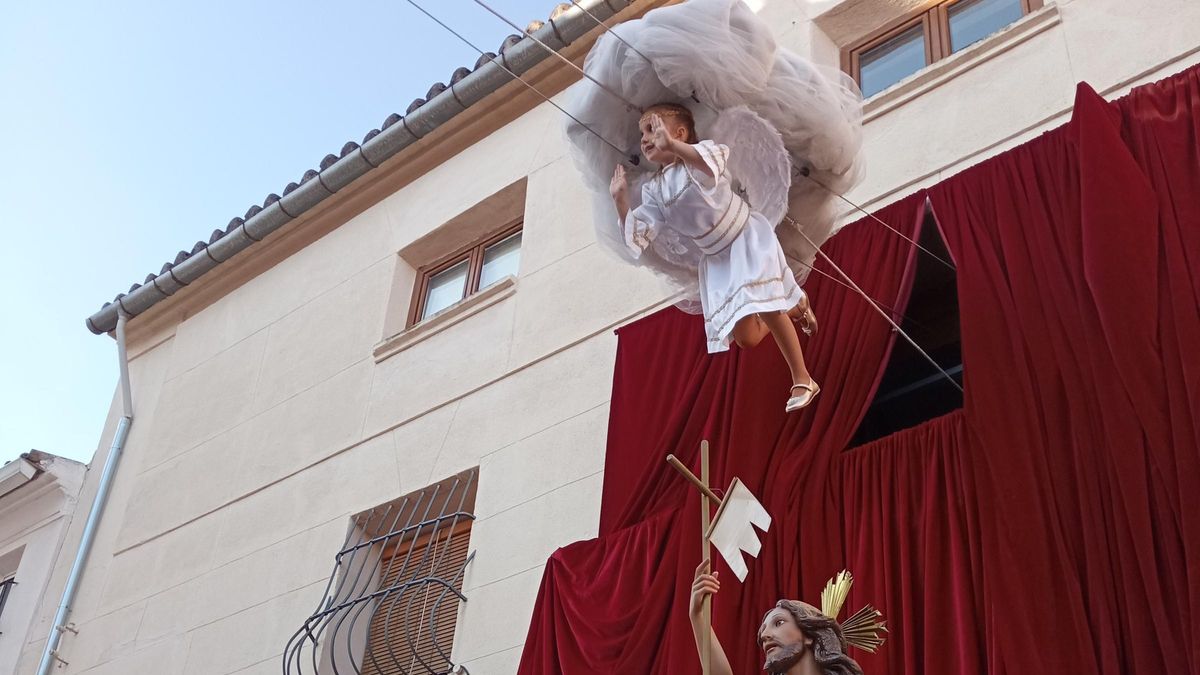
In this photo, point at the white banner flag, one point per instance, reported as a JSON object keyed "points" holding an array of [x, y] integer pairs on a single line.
{"points": [[732, 531]]}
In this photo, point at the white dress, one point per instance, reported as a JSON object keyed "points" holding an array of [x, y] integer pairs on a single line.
{"points": [[742, 269], [794, 126]]}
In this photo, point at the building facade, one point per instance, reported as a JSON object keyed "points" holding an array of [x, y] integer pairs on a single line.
{"points": [[38, 498], [426, 357]]}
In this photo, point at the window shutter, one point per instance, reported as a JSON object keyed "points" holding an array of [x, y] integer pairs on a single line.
{"points": [[402, 640]]}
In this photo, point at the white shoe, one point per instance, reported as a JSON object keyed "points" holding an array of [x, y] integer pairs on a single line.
{"points": [[803, 315], [809, 392]]}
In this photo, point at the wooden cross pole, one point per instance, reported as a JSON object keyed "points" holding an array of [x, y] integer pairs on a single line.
{"points": [[708, 499]]}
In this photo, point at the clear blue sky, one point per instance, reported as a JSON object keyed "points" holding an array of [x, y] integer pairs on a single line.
{"points": [[130, 130]]}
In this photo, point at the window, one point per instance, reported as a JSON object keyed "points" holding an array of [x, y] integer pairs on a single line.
{"points": [[5, 587], [901, 49], [969, 21], [425, 615], [466, 272], [911, 390], [390, 607], [893, 60]]}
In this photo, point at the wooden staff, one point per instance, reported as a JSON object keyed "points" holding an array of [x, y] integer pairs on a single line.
{"points": [[707, 499]]}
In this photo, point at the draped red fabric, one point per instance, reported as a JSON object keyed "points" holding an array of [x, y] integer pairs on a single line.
{"points": [[911, 519], [1080, 319], [1161, 127], [618, 603], [1052, 525]]}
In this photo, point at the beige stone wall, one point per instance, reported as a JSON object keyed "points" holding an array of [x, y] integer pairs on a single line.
{"points": [[33, 524], [264, 421]]}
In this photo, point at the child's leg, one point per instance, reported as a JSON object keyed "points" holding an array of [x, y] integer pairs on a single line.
{"points": [[749, 331], [802, 315], [781, 326]]}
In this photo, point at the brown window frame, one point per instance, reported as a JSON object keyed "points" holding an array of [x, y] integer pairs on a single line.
{"points": [[936, 24], [472, 253]]}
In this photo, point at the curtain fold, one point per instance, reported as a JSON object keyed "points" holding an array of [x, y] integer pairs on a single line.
{"points": [[1079, 323], [618, 603], [910, 513], [1051, 525]]}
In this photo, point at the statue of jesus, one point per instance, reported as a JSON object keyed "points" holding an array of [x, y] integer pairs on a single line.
{"points": [[796, 638]]}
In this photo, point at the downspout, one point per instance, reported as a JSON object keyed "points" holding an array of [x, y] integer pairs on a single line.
{"points": [[59, 626]]}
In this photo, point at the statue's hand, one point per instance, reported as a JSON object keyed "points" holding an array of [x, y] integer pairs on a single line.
{"points": [[704, 585]]}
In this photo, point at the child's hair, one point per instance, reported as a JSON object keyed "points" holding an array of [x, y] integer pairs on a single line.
{"points": [[680, 113]]}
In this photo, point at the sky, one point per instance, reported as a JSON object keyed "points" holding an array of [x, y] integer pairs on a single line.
{"points": [[130, 130]]}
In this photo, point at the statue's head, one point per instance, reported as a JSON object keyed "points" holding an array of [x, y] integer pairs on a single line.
{"points": [[794, 631]]}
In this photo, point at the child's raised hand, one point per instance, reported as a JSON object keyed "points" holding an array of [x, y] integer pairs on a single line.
{"points": [[658, 133], [619, 187]]}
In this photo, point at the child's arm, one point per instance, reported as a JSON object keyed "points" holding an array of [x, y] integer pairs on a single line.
{"points": [[639, 227], [619, 189]]}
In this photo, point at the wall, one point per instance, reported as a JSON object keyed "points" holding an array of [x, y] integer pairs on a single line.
{"points": [[33, 525], [263, 421]]}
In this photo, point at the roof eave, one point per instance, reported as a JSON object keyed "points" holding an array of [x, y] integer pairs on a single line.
{"points": [[356, 161]]}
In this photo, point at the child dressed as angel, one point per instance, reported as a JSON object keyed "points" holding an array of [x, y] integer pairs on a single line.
{"points": [[746, 287]]}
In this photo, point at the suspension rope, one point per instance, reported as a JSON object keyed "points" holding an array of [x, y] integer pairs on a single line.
{"points": [[895, 312], [609, 30], [803, 171], [807, 173], [553, 52], [634, 159], [882, 313]]}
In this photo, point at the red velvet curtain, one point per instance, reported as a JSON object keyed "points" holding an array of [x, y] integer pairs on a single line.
{"points": [[618, 603], [911, 522], [1052, 525], [1077, 272]]}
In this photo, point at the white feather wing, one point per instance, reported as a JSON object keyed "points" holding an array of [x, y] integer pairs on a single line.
{"points": [[758, 163]]}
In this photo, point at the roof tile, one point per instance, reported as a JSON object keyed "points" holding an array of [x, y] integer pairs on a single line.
{"points": [[484, 59], [509, 42], [330, 159]]}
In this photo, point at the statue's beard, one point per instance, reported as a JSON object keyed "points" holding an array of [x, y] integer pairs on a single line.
{"points": [[784, 658]]}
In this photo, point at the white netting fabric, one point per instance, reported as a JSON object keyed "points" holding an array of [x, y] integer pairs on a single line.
{"points": [[720, 59]]}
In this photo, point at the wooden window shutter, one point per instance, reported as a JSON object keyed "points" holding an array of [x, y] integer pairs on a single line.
{"points": [[413, 629]]}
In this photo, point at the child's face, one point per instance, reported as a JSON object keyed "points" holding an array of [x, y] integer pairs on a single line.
{"points": [[674, 128]]}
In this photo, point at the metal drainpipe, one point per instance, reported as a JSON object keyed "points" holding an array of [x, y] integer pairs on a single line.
{"points": [[59, 626]]}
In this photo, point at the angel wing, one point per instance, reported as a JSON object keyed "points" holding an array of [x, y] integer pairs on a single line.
{"points": [[759, 164]]}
